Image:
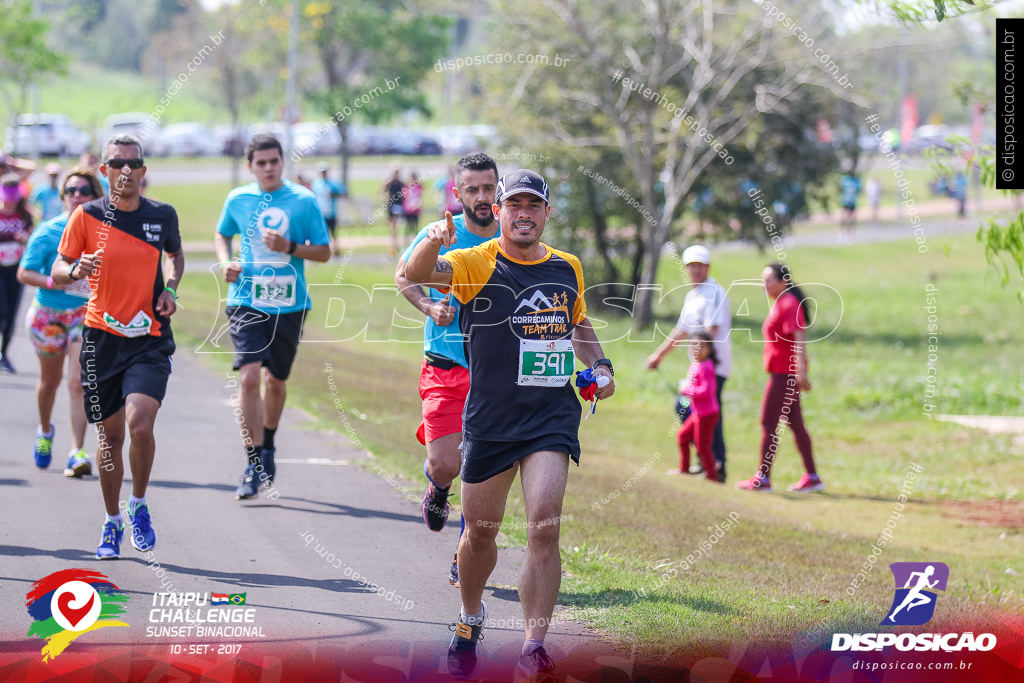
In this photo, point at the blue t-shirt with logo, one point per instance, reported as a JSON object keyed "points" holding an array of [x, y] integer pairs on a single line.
{"points": [[271, 281], [448, 341], [40, 253], [48, 200]]}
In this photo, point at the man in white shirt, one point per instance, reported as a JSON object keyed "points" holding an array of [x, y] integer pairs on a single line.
{"points": [[705, 309]]}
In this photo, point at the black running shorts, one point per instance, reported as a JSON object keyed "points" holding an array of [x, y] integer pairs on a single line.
{"points": [[114, 366], [481, 459], [268, 338]]}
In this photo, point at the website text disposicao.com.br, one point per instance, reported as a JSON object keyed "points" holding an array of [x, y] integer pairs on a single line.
{"points": [[959, 665]]}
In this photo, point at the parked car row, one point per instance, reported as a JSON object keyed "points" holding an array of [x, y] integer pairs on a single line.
{"points": [[56, 135], [928, 136]]}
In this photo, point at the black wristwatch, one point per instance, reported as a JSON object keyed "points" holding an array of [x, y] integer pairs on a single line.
{"points": [[607, 363], [71, 270], [292, 246]]}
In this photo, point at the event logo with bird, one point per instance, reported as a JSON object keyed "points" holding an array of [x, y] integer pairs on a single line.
{"points": [[71, 603]]}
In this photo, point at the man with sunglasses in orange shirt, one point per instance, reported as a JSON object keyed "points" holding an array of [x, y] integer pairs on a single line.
{"points": [[117, 242]]}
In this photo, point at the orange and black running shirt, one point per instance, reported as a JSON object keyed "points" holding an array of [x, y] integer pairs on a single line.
{"points": [[130, 279], [517, 321]]}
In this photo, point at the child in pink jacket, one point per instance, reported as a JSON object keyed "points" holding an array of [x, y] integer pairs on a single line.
{"points": [[699, 386]]}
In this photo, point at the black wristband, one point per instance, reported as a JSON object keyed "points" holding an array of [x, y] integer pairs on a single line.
{"points": [[607, 363], [71, 270], [292, 246]]}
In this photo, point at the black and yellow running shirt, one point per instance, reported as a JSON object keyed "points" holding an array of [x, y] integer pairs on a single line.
{"points": [[517, 320]]}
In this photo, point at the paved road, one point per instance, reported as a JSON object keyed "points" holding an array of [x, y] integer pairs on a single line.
{"points": [[268, 548]]}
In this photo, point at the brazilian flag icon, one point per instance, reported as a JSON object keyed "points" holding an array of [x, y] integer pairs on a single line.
{"points": [[237, 598]]}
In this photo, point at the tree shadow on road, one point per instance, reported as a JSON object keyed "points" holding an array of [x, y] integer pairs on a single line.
{"points": [[73, 554], [336, 508]]}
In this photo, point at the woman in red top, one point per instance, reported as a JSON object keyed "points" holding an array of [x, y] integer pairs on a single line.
{"points": [[785, 359], [700, 386]]}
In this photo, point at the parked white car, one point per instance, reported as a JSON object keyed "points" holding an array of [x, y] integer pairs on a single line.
{"points": [[138, 124], [186, 140], [47, 135]]}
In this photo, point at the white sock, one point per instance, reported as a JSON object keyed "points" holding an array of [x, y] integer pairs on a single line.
{"points": [[40, 432], [530, 645], [134, 502], [473, 619], [116, 519]]}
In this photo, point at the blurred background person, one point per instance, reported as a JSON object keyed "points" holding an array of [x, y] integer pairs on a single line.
{"points": [[849, 193], [15, 228], [328, 192], [393, 205], [91, 163], [412, 204], [874, 191], [21, 168], [47, 198]]}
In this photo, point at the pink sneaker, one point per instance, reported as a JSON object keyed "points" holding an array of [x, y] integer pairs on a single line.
{"points": [[808, 482], [756, 483]]}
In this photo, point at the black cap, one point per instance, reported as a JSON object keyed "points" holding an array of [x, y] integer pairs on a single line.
{"points": [[521, 180]]}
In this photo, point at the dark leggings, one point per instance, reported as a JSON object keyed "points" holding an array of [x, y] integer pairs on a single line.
{"points": [[782, 401], [10, 299]]}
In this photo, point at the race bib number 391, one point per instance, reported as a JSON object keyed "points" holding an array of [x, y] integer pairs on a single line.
{"points": [[545, 363]]}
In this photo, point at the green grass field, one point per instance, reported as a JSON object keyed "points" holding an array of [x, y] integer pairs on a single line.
{"points": [[629, 548]]}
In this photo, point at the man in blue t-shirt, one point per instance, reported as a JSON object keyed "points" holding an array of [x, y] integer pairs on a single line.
{"points": [[327, 194], [47, 198], [444, 376], [279, 225]]}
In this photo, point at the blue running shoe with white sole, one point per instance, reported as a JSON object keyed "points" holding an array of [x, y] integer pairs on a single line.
{"points": [[143, 536], [42, 454], [110, 542], [250, 483], [78, 464]]}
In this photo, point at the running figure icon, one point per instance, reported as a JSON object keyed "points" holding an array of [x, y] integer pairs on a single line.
{"points": [[916, 596]]}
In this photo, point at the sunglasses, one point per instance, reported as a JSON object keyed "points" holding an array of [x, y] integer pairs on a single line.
{"points": [[121, 163], [81, 191]]}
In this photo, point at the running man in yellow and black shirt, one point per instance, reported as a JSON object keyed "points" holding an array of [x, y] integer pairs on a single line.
{"points": [[525, 325], [117, 242]]}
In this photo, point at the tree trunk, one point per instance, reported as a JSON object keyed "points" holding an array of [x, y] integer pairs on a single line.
{"points": [[343, 155], [644, 310], [611, 273]]}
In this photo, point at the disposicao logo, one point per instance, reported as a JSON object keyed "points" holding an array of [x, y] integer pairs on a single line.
{"points": [[917, 584], [71, 603], [913, 604]]}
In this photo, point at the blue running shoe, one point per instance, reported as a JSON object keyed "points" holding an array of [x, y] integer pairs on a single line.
{"points": [[453, 571], [110, 542], [44, 444], [267, 460], [78, 464], [143, 536], [250, 483]]}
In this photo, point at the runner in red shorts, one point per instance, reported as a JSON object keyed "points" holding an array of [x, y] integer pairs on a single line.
{"points": [[444, 377]]}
